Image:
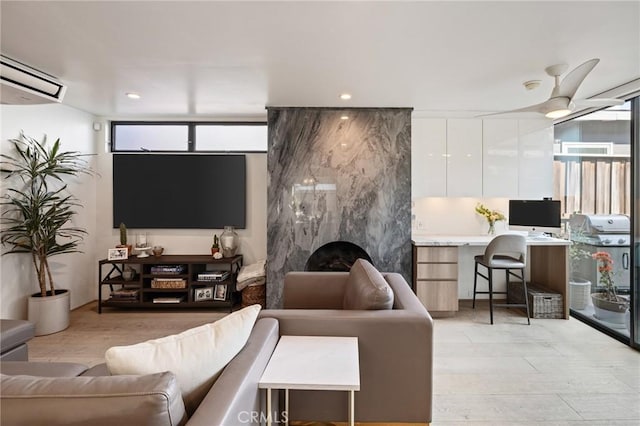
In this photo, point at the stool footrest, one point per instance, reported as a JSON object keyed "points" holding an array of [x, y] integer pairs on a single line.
{"points": [[510, 305]]}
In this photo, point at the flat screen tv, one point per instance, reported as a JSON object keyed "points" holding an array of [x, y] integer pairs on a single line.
{"points": [[535, 216], [179, 191]]}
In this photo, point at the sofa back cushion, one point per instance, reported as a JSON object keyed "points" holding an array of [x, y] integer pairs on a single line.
{"points": [[366, 288], [109, 400], [196, 356]]}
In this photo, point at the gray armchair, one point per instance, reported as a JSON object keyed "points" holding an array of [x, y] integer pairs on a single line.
{"points": [[395, 349]]}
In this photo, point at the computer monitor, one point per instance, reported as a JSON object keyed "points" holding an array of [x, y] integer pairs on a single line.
{"points": [[535, 216]]}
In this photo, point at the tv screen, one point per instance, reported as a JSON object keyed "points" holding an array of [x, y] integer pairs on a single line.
{"points": [[534, 213], [179, 191]]}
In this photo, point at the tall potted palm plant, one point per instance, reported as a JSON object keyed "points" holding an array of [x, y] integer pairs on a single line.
{"points": [[37, 211]]}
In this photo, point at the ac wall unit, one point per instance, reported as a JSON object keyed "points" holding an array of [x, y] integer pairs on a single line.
{"points": [[21, 84]]}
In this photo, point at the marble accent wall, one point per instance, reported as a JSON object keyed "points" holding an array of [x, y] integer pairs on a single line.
{"points": [[334, 178]]}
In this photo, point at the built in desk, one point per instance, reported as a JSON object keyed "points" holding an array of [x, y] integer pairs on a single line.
{"points": [[443, 268]]}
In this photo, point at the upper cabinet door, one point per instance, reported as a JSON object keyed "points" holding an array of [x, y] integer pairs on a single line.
{"points": [[500, 158], [535, 159], [464, 158], [428, 157]]}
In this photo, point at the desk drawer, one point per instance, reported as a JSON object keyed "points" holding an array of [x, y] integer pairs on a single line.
{"points": [[437, 254], [438, 296], [437, 271]]}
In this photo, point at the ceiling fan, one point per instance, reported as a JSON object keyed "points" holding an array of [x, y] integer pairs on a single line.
{"points": [[561, 102]]}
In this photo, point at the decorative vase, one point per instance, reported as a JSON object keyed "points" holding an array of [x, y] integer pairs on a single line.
{"points": [[229, 242], [606, 310], [49, 314], [128, 274], [492, 228]]}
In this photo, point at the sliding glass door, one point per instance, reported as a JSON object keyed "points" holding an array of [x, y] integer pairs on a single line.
{"points": [[595, 175], [635, 210]]}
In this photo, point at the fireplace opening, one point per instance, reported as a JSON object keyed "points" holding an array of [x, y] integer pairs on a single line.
{"points": [[336, 256]]}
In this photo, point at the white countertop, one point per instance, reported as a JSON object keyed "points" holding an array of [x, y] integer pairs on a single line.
{"points": [[479, 240]]}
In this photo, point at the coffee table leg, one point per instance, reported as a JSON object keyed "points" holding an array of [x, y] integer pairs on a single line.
{"points": [[286, 406], [268, 406], [351, 408]]}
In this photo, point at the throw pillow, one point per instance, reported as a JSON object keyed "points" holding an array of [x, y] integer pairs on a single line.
{"points": [[196, 356], [367, 288]]}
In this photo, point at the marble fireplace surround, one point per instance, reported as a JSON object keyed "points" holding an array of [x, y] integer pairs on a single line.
{"points": [[333, 178]]}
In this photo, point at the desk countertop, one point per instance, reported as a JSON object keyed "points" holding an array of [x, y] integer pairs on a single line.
{"points": [[478, 240]]}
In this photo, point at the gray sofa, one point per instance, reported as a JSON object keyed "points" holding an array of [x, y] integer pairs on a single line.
{"points": [[14, 335], [395, 349], [73, 394]]}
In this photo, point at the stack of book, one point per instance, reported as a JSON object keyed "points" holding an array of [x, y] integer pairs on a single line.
{"points": [[168, 269], [125, 295], [213, 276]]}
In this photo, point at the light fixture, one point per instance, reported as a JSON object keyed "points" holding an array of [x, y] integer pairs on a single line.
{"points": [[558, 113], [344, 117], [345, 96], [558, 107], [132, 95]]}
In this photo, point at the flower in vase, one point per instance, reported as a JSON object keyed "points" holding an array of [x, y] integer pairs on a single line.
{"points": [[492, 216]]}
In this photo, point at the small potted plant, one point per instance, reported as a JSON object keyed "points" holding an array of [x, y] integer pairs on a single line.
{"points": [[215, 247], [579, 287], [607, 304], [123, 239]]}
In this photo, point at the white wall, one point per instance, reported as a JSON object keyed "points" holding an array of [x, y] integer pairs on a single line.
{"points": [[454, 216], [78, 271], [253, 239], [75, 271]]}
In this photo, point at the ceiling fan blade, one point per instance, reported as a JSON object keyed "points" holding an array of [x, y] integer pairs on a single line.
{"points": [[598, 102], [573, 80], [533, 108]]}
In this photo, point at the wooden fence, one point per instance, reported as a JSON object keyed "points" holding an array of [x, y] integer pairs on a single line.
{"points": [[592, 184]]}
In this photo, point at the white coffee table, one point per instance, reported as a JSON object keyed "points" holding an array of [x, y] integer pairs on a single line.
{"points": [[313, 363]]}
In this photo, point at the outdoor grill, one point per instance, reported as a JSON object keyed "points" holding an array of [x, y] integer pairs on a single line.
{"points": [[610, 233]]}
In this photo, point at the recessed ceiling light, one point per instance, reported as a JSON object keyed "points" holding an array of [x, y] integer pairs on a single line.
{"points": [[132, 95], [345, 96], [344, 117]]}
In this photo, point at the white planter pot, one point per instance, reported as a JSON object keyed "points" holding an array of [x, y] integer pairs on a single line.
{"points": [[579, 293], [612, 312], [50, 314]]}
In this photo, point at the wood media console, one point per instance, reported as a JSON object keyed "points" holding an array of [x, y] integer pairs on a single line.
{"points": [[169, 281]]}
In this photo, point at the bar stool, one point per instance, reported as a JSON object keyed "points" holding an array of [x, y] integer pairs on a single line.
{"points": [[507, 252]]}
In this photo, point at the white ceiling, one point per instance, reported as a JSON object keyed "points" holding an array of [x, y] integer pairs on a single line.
{"points": [[231, 59]]}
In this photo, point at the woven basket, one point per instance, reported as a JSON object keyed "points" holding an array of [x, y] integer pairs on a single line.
{"points": [[254, 295], [160, 283]]}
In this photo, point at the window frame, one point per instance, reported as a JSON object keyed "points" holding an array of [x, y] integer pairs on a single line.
{"points": [[192, 143]]}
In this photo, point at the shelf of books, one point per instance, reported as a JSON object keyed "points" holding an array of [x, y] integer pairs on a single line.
{"points": [[170, 281]]}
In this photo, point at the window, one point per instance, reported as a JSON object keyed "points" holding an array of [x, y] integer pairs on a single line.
{"points": [[130, 136], [149, 137], [216, 137]]}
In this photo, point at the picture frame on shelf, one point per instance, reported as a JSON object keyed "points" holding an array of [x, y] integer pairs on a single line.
{"points": [[118, 254], [202, 294], [221, 292]]}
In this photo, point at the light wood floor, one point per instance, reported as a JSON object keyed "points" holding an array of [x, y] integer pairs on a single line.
{"points": [[554, 372]]}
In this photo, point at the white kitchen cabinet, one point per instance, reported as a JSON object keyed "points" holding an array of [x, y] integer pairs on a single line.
{"points": [[428, 157], [500, 158], [535, 159], [506, 158], [464, 158]]}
